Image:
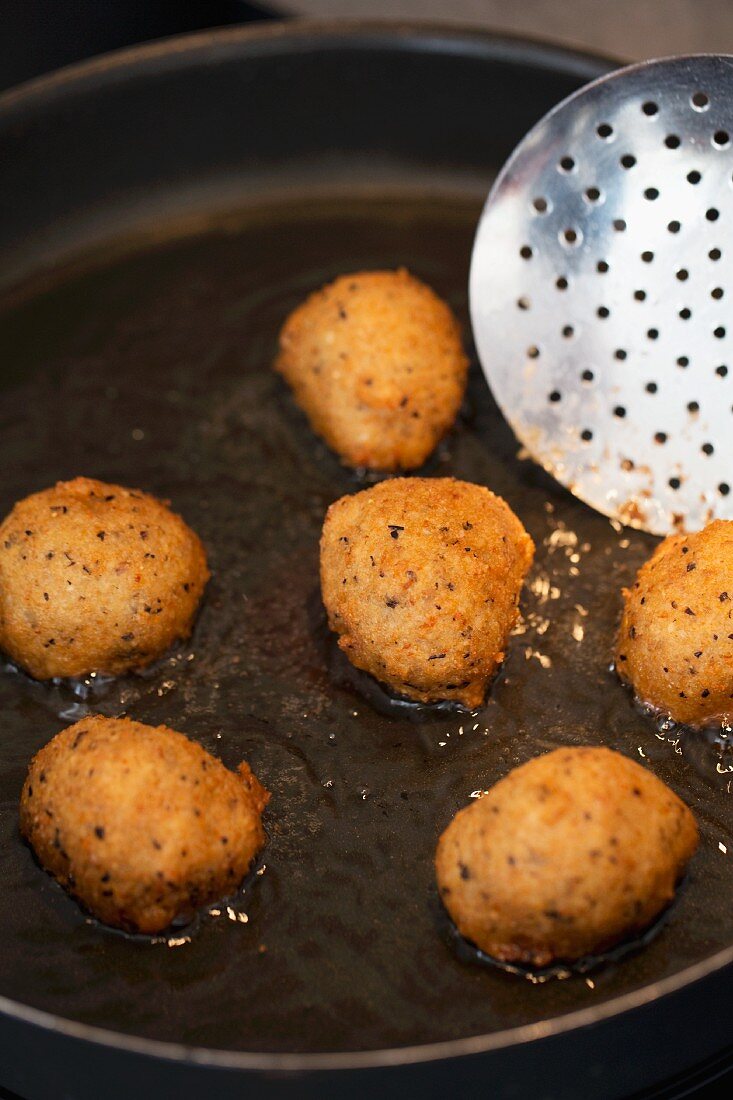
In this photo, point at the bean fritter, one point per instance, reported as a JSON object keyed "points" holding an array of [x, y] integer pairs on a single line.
{"points": [[565, 857], [138, 823], [421, 579], [376, 362], [95, 578], [675, 642]]}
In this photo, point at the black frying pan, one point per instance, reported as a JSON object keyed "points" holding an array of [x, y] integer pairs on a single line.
{"points": [[162, 210]]}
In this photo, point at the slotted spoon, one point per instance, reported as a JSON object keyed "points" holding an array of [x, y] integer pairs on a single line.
{"points": [[600, 288]]}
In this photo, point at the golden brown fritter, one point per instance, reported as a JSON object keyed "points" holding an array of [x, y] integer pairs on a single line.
{"points": [[566, 856], [376, 362], [95, 578], [140, 824], [421, 579], [675, 642]]}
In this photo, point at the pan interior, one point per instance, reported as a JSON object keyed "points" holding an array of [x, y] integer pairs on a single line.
{"points": [[151, 367]]}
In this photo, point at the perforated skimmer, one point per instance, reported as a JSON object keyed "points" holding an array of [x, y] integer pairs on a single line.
{"points": [[600, 285]]}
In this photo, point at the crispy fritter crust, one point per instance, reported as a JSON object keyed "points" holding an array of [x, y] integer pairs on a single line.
{"points": [[421, 579], [95, 577], [566, 856], [376, 362], [675, 642], [138, 823]]}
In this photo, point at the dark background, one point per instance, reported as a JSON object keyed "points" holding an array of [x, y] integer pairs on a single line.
{"points": [[37, 36]]}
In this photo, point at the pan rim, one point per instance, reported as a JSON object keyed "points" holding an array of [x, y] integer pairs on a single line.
{"points": [[301, 36], [287, 1062]]}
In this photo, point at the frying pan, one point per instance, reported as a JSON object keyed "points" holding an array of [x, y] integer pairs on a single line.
{"points": [[163, 209]]}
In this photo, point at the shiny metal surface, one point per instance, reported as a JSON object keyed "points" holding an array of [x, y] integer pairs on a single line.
{"points": [[600, 289]]}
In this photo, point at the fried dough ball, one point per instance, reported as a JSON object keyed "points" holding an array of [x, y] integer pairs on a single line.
{"points": [[675, 642], [95, 578], [421, 579], [375, 360], [138, 823], [566, 856]]}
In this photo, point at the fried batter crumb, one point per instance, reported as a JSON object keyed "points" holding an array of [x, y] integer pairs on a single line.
{"points": [[138, 823], [675, 642], [566, 856], [421, 580], [95, 578], [376, 362]]}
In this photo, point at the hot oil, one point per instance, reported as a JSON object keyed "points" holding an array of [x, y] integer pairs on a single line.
{"points": [[153, 369], [559, 971]]}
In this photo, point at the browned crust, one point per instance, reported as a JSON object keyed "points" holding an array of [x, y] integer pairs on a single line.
{"points": [[564, 857], [675, 641], [138, 823], [375, 360], [95, 578], [421, 580]]}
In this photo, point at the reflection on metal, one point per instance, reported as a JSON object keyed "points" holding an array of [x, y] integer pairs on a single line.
{"points": [[600, 293]]}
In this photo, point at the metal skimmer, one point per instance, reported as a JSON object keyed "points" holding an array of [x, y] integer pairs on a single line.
{"points": [[601, 289]]}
